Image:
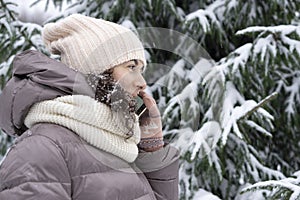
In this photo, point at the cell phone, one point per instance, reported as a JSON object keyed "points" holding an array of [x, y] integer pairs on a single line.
{"points": [[140, 106]]}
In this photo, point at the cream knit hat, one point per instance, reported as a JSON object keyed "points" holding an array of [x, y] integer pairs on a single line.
{"points": [[92, 45]]}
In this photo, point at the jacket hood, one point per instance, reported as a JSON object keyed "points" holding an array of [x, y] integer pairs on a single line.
{"points": [[35, 78]]}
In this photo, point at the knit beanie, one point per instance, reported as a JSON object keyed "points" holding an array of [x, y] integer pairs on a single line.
{"points": [[91, 45]]}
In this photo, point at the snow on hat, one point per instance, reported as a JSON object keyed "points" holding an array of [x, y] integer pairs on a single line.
{"points": [[92, 45]]}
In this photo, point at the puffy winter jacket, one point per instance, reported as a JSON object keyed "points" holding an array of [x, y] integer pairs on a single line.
{"points": [[49, 161]]}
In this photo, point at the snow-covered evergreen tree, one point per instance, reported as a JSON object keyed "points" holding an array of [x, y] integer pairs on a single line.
{"points": [[15, 36], [233, 112]]}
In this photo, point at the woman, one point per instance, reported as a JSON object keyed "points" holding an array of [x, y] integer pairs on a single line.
{"points": [[78, 135]]}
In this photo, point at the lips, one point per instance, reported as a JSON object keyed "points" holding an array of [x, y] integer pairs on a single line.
{"points": [[136, 93]]}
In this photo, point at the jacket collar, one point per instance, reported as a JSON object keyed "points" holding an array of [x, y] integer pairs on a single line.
{"points": [[35, 78]]}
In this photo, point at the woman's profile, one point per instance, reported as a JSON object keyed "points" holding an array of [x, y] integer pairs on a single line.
{"points": [[77, 133]]}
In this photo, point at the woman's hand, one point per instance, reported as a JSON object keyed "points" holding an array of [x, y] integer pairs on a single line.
{"points": [[150, 120]]}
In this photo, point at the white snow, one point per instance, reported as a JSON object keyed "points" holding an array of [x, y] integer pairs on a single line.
{"points": [[7, 26], [232, 4], [178, 68], [285, 183], [206, 138], [254, 165], [264, 44], [5, 155], [128, 24], [189, 92], [201, 15], [232, 113], [284, 29], [232, 96], [258, 128], [294, 95], [200, 69], [184, 138], [253, 195], [35, 14], [243, 54], [230, 64], [187, 180], [293, 44], [106, 7], [204, 17], [4, 66], [204, 195]]}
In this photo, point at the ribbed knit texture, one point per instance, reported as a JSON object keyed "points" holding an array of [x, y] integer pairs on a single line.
{"points": [[91, 120], [92, 45]]}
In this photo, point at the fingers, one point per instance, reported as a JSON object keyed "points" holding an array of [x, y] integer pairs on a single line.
{"points": [[148, 100], [150, 104], [150, 121]]}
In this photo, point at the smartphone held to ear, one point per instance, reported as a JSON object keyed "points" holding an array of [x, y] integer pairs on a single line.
{"points": [[140, 106]]}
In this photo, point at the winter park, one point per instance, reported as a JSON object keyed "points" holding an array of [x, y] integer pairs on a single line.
{"points": [[219, 81]]}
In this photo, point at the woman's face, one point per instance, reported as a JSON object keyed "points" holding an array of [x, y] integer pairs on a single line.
{"points": [[129, 76]]}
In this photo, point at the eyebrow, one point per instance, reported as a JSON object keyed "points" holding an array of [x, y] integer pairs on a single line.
{"points": [[135, 61]]}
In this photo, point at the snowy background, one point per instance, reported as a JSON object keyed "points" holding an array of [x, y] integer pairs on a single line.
{"points": [[228, 86]]}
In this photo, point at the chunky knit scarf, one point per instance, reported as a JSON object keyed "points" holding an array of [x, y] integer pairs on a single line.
{"points": [[91, 120]]}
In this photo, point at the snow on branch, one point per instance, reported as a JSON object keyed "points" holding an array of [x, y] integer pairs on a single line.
{"points": [[205, 139], [186, 179], [203, 194], [277, 39], [290, 186], [231, 64], [204, 17], [294, 96], [258, 128], [260, 104], [254, 164], [231, 114], [224, 96], [284, 29], [4, 66]]}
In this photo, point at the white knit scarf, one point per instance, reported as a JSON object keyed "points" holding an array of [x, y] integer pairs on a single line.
{"points": [[91, 120]]}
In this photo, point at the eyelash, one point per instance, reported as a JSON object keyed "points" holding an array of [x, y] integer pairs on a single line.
{"points": [[133, 68]]}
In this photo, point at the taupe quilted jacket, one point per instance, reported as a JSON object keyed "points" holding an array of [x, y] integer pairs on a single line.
{"points": [[49, 161]]}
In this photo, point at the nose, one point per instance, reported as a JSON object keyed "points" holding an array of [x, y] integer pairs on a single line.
{"points": [[141, 83]]}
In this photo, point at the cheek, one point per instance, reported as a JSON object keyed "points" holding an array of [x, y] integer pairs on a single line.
{"points": [[126, 81], [117, 75]]}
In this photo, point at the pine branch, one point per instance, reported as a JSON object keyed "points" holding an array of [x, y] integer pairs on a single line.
{"points": [[4, 7], [260, 104]]}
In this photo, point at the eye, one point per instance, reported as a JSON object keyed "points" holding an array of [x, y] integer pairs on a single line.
{"points": [[132, 67]]}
